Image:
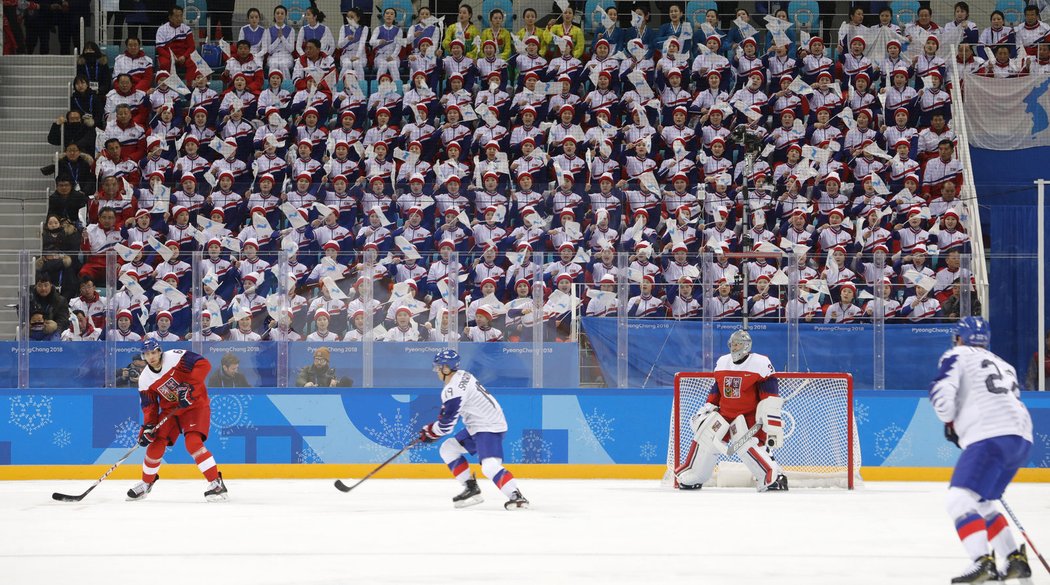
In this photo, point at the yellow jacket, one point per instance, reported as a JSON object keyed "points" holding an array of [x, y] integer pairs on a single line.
{"points": [[469, 39], [574, 32], [542, 34], [504, 44]]}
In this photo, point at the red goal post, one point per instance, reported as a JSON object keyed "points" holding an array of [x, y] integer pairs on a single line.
{"points": [[820, 448]]}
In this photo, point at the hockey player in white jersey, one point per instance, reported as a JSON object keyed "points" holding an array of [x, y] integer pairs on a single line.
{"points": [[977, 397], [745, 394], [464, 396]]}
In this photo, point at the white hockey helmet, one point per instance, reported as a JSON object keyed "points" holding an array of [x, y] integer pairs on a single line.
{"points": [[739, 344]]}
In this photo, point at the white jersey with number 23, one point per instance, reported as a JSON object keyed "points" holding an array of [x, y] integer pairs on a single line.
{"points": [[977, 391]]}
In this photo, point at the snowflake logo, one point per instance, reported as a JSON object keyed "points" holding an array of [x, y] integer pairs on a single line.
{"points": [[891, 440], [531, 448], [308, 455], [61, 438], [126, 433], [230, 410], [860, 413], [647, 451], [395, 434], [601, 429], [1045, 439], [944, 452], [30, 413]]}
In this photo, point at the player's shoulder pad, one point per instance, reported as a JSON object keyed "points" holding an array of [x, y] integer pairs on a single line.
{"points": [[763, 366]]}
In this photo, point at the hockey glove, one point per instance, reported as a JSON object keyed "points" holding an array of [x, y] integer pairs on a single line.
{"points": [[427, 434], [147, 433], [185, 396], [949, 433]]}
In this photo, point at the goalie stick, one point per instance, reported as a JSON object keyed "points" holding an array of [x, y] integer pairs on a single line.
{"points": [[339, 485], [68, 498]]}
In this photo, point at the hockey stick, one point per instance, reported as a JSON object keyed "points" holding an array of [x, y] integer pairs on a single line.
{"points": [[68, 498], [339, 485], [737, 444], [1024, 534]]}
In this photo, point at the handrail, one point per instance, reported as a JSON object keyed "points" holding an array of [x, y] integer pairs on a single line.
{"points": [[968, 194]]}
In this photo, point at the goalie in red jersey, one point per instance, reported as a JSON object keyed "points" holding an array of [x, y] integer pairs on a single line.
{"points": [[745, 392], [172, 386]]}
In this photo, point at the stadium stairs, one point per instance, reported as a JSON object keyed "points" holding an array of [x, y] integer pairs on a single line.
{"points": [[33, 92]]}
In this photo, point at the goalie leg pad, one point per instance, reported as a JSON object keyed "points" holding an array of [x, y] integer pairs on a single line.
{"points": [[758, 461], [703, 453]]}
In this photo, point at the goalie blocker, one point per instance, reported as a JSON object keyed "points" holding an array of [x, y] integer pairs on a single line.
{"points": [[745, 395]]}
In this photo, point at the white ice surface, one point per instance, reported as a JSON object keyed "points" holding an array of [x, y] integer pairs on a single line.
{"points": [[406, 531]]}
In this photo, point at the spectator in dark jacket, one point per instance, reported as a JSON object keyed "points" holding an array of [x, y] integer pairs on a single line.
{"points": [[59, 246], [86, 101], [66, 201], [319, 374], [76, 132], [77, 166], [44, 298], [229, 375]]}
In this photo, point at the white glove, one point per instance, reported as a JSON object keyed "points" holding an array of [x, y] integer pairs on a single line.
{"points": [[698, 419]]}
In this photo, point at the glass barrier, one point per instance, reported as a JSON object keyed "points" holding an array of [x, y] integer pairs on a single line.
{"points": [[627, 320]]}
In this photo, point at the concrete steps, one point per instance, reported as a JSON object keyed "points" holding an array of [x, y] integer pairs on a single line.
{"points": [[34, 90]]}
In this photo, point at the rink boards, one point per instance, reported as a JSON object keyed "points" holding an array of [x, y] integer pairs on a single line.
{"points": [[558, 433]]}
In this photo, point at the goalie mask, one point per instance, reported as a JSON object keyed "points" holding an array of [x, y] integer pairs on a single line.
{"points": [[740, 345]]}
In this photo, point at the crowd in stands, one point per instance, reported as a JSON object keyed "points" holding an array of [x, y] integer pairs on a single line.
{"points": [[455, 167]]}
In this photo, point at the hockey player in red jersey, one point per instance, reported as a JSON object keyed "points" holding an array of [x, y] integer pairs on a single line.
{"points": [[745, 391], [173, 384]]}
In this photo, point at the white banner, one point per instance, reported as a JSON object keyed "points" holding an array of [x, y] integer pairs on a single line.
{"points": [[1007, 113]]}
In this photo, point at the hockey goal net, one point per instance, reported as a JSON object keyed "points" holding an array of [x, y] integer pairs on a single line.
{"points": [[820, 446]]}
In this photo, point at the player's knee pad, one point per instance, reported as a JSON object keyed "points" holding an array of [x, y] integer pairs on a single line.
{"points": [[194, 442], [490, 466], [450, 450], [987, 508], [961, 502], [768, 413]]}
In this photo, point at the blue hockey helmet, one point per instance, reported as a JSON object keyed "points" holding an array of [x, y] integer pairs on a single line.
{"points": [[447, 357], [149, 344], [973, 331]]}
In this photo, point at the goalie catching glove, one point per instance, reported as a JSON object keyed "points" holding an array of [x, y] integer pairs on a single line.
{"points": [[768, 413]]}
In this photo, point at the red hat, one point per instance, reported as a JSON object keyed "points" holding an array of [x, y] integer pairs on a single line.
{"points": [[849, 285], [836, 211], [893, 42], [164, 315], [331, 245], [952, 213], [562, 276], [321, 312], [522, 246], [762, 277]]}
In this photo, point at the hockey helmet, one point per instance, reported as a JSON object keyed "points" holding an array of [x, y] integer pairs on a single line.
{"points": [[149, 344], [973, 331], [447, 357], [740, 345]]}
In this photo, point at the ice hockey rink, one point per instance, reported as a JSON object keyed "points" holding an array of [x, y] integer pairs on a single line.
{"points": [[406, 531]]}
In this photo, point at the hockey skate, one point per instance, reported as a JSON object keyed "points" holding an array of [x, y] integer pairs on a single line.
{"points": [[982, 570], [1017, 565], [216, 491], [142, 489], [690, 486], [516, 502], [470, 496], [780, 484]]}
